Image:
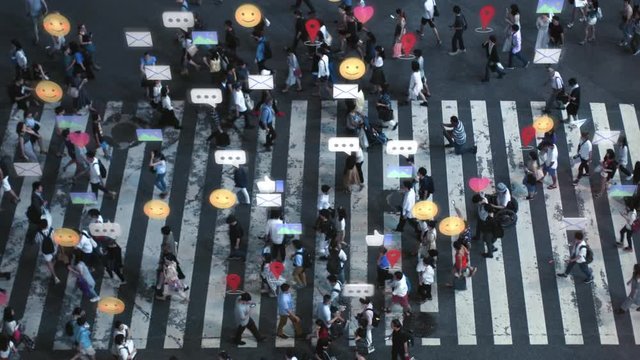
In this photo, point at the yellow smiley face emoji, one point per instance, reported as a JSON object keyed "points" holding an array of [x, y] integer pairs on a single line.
{"points": [[222, 198], [111, 305], [352, 68], [543, 123], [48, 91], [248, 15], [56, 24], [452, 226], [157, 209], [66, 237], [425, 210]]}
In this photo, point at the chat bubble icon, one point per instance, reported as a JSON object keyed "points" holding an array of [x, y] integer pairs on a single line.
{"points": [[344, 144], [230, 157], [358, 290], [178, 20], [111, 230], [209, 96], [402, 147]]}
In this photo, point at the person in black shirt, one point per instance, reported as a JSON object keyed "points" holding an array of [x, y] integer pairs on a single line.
{"points": [[493, 60], [230, 38], [299, 29], [399, 341], [425, 184], [556, 33], [236, 233], [459, 26], [574, 100]]}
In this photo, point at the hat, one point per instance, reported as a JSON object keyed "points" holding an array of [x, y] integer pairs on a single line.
{"points": [[231, 219], [501, 187]]}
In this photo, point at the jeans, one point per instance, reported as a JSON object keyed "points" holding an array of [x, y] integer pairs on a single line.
{"points": [[518, 55], [583, 266], [251, 325], [459, 149], [160, 183], [629, 233], [456, 41]]}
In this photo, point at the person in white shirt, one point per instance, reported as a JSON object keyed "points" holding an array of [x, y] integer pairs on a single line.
{"points": [[126, 348], [426, 277], [367, 314], [323, 199], [427, 18], [48, 246], [427, 238], [584, 152], [416, 85], [168, 117], [408, 202], [241, 107], [551, 163], [399, 293], [278, 250], [323, 74], [119, 329], [516, 47], [630, 217], [578, 256], [557, 88], [95, 177], [503, 196]]}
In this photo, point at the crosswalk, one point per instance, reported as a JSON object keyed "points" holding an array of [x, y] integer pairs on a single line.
{"points": [[514, 298]]}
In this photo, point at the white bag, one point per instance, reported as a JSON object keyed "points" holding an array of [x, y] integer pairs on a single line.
{"points": [[364, 142]]}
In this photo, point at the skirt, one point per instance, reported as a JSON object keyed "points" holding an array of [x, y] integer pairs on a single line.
{"points": [[377, 77], [351, 177]]}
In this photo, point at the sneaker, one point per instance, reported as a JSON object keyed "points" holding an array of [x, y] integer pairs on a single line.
{"points": [[240, 342], [562, 275], [637, 52], [283, 336], [486, 255], [575, 182], [619, 243], [581, 43], [95, 299], [630, 177], [464, 50], [449, 146], [474, 149], [588, 281], [510, 67], [629, 249], [454, 53], [424, 103], [570, 25], [527, 64]]}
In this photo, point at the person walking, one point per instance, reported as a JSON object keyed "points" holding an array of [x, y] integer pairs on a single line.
{"points": [[84, 279], [299, 264], [459, 26], [168, 115], [85, 39], [457, 137], [244, 320], [8, 349], [294, 72], [551, 163], [113, 261], [493, 60], [425, 184], [236, 233], [426, 277], [399, 341], [516, 47], [366, 319], [542, 24], [578, 255], [48, 247], [240, 106], [593, 15], [557, 90], [533, 171], [377, 73], [583, 154], [512, 17], [230, 38], [490, 231], [622, 156], [267, 122], [336, 259], [241, 182], [278, 247], [4, 176], [626, 24], [428, 18], [630, 218], [633, 299], [350, 174], [82, 337], [406, 214], [36, 9], [608, 169], [25, 142], [416, 87], [574, 101], [96, 176], [158, 165], [399, 293], [35, 211], [286, 312]]}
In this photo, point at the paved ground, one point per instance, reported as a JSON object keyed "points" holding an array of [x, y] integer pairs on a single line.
{"points": [[515, 300]]}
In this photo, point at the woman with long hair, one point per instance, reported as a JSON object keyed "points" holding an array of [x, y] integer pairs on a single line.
{"points": [[633, 300], [609, 166]]}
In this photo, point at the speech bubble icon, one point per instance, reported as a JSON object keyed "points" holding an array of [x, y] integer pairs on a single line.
{"points": [[402, 147], [178, 20], [230, 157], [110, 230], [358, 290], [344, 144], [209, 96]]}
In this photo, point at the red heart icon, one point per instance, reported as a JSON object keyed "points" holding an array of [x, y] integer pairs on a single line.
{"points": [[478, 184], [363, 13], [79, 139]]}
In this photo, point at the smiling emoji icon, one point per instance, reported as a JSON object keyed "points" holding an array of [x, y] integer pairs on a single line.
{"points": [[56, 24], [352, 68], [451, 226], [222, 198], [48, 91], [111, 305], [157, 209], [425, 210], [543, 123], [248, 15], [66, 237]]}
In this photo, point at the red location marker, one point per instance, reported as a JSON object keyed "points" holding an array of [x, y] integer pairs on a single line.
{"points": [[276, 268], [312, 26], [363, 13], [393, 256], [486, 14], [408, 41], [527, 134], [233, 281]]}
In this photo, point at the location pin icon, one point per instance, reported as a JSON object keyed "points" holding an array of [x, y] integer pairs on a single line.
{"points": [[393, 256], [233, 281], [312, 26], [527, 134], [486, 14], [408, 41], [276, 268]]}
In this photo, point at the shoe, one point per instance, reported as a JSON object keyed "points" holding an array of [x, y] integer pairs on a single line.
{"points": [[629, 249], [581, 43], [562, 275], [484, 80], [575, 182], [454, 53], [630, 177], [95, 299], [637, 52], [588, 281], [527, 64], [261, 339], [494, 249], [619, 311], [474, 149], [529, 198], [464, 50], [56, 280], [283, 336], [510, 67], [186, 288], [424, 103], [240, 342], [122, 283], [619, 243], [449, 146], [163, 195], [439, 43], [570, 25], [486, 255]]}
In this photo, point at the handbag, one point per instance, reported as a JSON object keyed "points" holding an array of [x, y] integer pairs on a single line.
{"points": [[385, 113], [73, 92], [192, 50]]}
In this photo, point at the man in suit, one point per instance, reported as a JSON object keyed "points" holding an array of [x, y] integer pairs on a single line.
{"points": [[493, 61]]}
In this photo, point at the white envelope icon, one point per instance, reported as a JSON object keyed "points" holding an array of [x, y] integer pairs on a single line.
{"points": [[547, 56], [157, 72], [345, 91], [608, 137], [138, 38], [573, 223], [260, 82], [269, 200], [27, 169]]}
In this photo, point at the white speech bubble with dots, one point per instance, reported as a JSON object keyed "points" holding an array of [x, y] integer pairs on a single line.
{"points": [[230, 157], [209, 96], [402, 147], [111, 230], [178, 20], [344, 144], [358, 290]]}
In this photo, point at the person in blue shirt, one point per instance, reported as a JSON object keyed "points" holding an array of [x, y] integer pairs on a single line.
{"points": [[267, 118], [82, 336], [285, 311], [261, 52], [147, 60], [383, 267]]}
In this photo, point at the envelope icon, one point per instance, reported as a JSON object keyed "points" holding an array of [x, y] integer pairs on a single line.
{"points": [[345, 91], [157, 72], [138, 38], [573, 223], [260, 82], [607, 137], [269, 200], [27, 169], [547, 56]]}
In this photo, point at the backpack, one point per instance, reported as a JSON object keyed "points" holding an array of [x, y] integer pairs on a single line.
{"points": [[267, 50], [47, 243], [333, 263], [68, 328], [513, 205], [103, 170], [375, 319], [635, 226], [307, 258], [215, 65], [589, 257], [33, 214]]}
